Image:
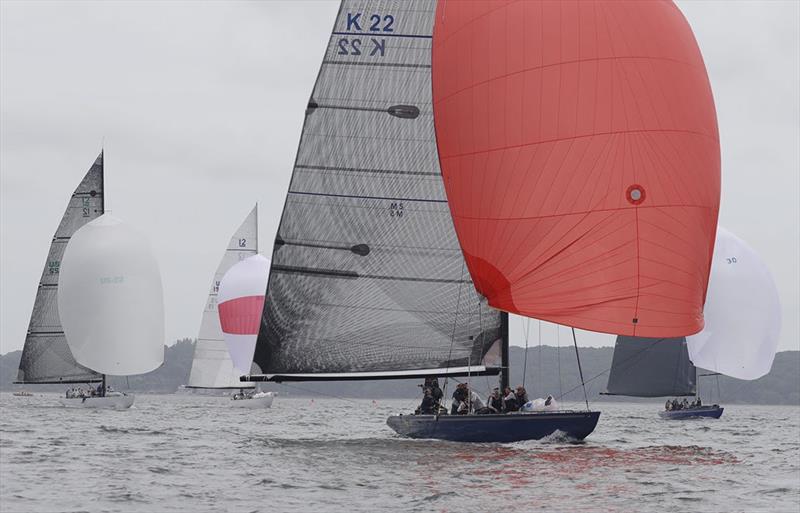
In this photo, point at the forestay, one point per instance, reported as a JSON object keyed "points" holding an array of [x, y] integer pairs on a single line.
{"points": [[651, 367], [46, 357], [367, 277], [212, 366], [110, 299], [742, 311]]}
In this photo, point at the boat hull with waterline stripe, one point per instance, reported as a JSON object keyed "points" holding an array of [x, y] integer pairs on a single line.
{"points": [[109, 402], [513, 427], [258, 401], [713, 412]]}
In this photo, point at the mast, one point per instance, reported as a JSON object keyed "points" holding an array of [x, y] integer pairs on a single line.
{"points": [[103, 210], [505, 369]]}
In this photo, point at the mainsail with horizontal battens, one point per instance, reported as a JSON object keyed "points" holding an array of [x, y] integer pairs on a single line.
{"points": [[46, 357], [367, 277]]}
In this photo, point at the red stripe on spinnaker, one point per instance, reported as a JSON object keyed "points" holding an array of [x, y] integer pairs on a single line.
{"points": [[241, 316]]}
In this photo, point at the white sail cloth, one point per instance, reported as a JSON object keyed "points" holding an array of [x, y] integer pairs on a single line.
{"points": [[212, 366], [110, 299], [241, 303], [742, 313]]}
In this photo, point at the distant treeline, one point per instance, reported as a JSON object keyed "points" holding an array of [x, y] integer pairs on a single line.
{"points": [[549, 370]]}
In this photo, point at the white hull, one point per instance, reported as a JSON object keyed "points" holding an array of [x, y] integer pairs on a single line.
{"points": [[111, 402], [257, 401]]}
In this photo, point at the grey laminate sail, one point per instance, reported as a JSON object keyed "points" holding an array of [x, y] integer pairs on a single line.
{"points": [[212, 366], [367, 276], [46, 357], [651, 367]]}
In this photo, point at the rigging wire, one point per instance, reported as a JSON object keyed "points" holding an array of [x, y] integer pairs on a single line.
{"points": [[453, 335], [599, 374], [580, 370], [525, 361], [541, 377], [558, 356]]}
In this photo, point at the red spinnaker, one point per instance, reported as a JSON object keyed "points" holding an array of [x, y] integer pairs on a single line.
{"points": [[579, 146]]}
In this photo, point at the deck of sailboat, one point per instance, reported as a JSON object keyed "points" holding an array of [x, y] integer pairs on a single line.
{"points": [[497, 428]]}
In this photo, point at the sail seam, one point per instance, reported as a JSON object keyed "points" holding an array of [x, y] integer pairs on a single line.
{"points": [[585, 136]]}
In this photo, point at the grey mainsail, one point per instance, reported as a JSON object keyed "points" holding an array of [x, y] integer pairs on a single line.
{"points": [[367, 276], [46, 357], [212, 366], [651, 367]]}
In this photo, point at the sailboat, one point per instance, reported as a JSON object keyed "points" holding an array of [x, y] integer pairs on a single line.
{"points": [[657, 367], [387, 265], [111, 306], [740, 337], [240, 304], [367, 279], [46, 356], [212, 367]]}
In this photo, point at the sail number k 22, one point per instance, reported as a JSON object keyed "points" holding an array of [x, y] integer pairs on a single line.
{"points": [[359, 22]]}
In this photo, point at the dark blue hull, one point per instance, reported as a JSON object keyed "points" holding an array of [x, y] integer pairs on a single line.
{"points": [[513, 427], [713, 412]]}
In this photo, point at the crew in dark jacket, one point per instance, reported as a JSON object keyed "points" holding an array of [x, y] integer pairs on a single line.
{"points": [[428, 406], [436, 392], [495, 401], [522, 396], [509, 400], [460, 395]]}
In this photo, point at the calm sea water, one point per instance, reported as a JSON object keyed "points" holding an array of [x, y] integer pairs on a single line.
{"points": [[194, 453]]}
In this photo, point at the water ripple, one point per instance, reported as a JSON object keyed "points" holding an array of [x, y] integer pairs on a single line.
{"points": [[194, 453]]}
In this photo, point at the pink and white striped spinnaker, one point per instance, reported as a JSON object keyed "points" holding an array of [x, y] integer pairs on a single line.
{"points": [[240, 303]]}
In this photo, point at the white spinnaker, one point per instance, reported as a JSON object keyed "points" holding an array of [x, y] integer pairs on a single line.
{"points": [[742, 313], [212, 366], [241, 302], [110, 299]]}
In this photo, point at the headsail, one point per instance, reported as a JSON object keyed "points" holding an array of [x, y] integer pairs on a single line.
{"points": [[367, 277], [110, 299], [651, 367], [46, 357], [580, 151], [241, 302], [743, 313], [212, 366]]}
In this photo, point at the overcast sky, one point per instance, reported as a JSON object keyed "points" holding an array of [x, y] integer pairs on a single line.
{"points": [[201, 104]]}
